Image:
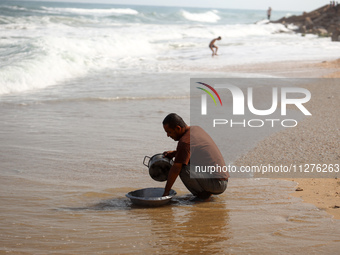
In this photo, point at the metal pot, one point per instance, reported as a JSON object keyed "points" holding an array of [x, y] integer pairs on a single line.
{"points": [[159, 167], [150, 197]]}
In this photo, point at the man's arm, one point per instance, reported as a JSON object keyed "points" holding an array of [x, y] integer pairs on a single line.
{"points": [[173, 174], [169, 154]]}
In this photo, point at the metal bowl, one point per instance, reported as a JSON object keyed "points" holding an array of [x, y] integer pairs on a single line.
{"points": [[150, 196]]}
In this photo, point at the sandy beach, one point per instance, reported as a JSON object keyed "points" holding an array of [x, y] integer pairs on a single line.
{"points": [[84, 88], [66, 196], [314, 140]]}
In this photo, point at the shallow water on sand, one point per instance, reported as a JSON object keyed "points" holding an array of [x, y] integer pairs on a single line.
{"points": [[71, 150], [66, 166], [254, 216]]}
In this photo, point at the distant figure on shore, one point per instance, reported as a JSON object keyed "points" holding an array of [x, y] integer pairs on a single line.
{"points": [[212, 45], [269, 12], [333, 4]]}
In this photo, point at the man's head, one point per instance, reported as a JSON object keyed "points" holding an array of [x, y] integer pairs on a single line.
{"points": [[174, 126], [219, 38]]}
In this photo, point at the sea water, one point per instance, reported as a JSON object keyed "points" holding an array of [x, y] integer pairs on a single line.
{"points": [[45, 44], [83, 91]]}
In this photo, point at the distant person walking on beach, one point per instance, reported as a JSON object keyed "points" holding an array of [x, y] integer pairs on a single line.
{"points": [[212, 45], [269, 13]]}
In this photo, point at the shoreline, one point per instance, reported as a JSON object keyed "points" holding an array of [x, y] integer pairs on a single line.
{"points": [[314, 140], [292, 69]]}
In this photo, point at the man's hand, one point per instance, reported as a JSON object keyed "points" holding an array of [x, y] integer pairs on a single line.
{"points": [[169, 154], [173, 173]]}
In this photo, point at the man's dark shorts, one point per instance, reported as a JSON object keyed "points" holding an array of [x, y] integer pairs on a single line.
{"points": [[198, 185]]}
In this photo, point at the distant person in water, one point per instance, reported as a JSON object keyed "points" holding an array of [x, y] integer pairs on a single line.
{"points": [[269, 13], [212, 45]]}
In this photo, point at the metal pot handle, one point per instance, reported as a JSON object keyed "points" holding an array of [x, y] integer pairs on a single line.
{"points": [[147, 165]]}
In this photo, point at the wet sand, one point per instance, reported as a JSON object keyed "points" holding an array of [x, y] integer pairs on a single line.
{"points": [[64, 179], [314, 140]]}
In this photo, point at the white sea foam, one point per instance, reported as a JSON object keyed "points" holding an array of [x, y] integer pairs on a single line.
{"points": [[112, 11], [43, 49], [210, 16], [53, 59]]}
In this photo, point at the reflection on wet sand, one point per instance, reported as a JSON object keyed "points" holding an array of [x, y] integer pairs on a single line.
{"points": [[181, 227], [189, 228], [248, 219]]}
